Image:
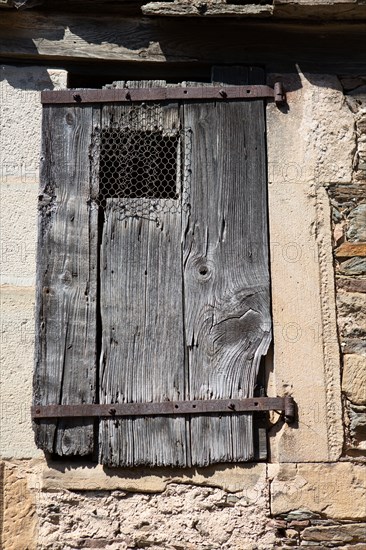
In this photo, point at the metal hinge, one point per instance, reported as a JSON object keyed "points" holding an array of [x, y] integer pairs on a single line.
{"points": [[250, 404], [128, 95]]}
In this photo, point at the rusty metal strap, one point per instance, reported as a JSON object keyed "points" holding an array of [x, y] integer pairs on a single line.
{"points": [[128, 95], [250, 404]]}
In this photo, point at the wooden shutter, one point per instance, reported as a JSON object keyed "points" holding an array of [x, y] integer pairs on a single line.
{"points": [[182, 301]]}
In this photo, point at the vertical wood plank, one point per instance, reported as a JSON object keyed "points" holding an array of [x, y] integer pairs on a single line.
{"points": [[65, 371], [142, 356], [226, 275]]}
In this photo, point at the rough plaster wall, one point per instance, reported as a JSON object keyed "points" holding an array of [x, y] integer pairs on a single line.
{"points": [[183, 517]]}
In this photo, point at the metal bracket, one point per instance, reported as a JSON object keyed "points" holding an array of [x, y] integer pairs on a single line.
{"points": [[250, 404], [128, 95]]}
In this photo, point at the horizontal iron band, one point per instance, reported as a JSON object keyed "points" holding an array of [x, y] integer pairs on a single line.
{"points": [[128, 95], [249, 404]]}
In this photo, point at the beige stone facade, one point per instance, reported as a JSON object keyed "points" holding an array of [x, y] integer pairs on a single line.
{"points": [[312, 491]]}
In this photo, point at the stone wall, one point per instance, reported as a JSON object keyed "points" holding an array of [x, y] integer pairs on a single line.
{"points": [[349, 227], [312, 491]]}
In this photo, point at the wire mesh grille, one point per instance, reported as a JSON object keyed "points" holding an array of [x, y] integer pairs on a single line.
{"points": [[144, 163]]}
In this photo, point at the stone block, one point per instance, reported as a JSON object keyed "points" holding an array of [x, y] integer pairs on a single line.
{"points": [[357, 223], [352, 532], [19, 516], [348, 250], [358, 546], [300, 163], [305, 329], [352, 267], [250, 478], [292, 533], [351, 285], [357, 425], [354, 345], [359, 94], [336, 491], [351, 307], [183, 517], [17, 358], [360, 120], [354, 378]]}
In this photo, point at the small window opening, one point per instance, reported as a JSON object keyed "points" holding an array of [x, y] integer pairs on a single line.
{"points": [[139, 164], [144, 162]]}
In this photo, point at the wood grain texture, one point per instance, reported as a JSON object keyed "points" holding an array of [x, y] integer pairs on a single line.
{"points": [[184, 298], [184, 9], [89, 37], [226, 275], [142, 322], [65, 371]]}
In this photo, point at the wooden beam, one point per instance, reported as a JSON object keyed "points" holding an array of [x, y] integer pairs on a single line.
{"points": [[282, 9], [183, 9], [319, 10], [32, 36]]}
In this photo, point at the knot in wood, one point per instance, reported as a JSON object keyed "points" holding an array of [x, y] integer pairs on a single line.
{"points": [[66, 277]]}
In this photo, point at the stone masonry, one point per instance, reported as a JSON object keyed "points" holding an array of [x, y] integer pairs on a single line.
{"points": [[349, 226]]}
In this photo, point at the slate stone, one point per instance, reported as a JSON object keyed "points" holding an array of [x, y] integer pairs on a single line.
{"points": [[353, 266], [357, 224], [353, 532]]}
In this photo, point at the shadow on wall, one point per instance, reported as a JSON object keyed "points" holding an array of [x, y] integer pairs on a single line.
{"points": [[27, 78], [83, 475], [37, 35]]}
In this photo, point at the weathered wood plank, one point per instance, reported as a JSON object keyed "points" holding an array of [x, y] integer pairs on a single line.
{"points": [[87, 37], [65, 371], [6, 4], [226, 276], [185, 9], [142, 322]]}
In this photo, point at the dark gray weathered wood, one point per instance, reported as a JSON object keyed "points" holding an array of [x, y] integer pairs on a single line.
{"points": [[142, 324], [184, 292], [95, 38], [65, 371], [226, 275]]}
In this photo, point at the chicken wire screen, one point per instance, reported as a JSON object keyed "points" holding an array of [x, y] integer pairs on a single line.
{"points": [[144, 162]]}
